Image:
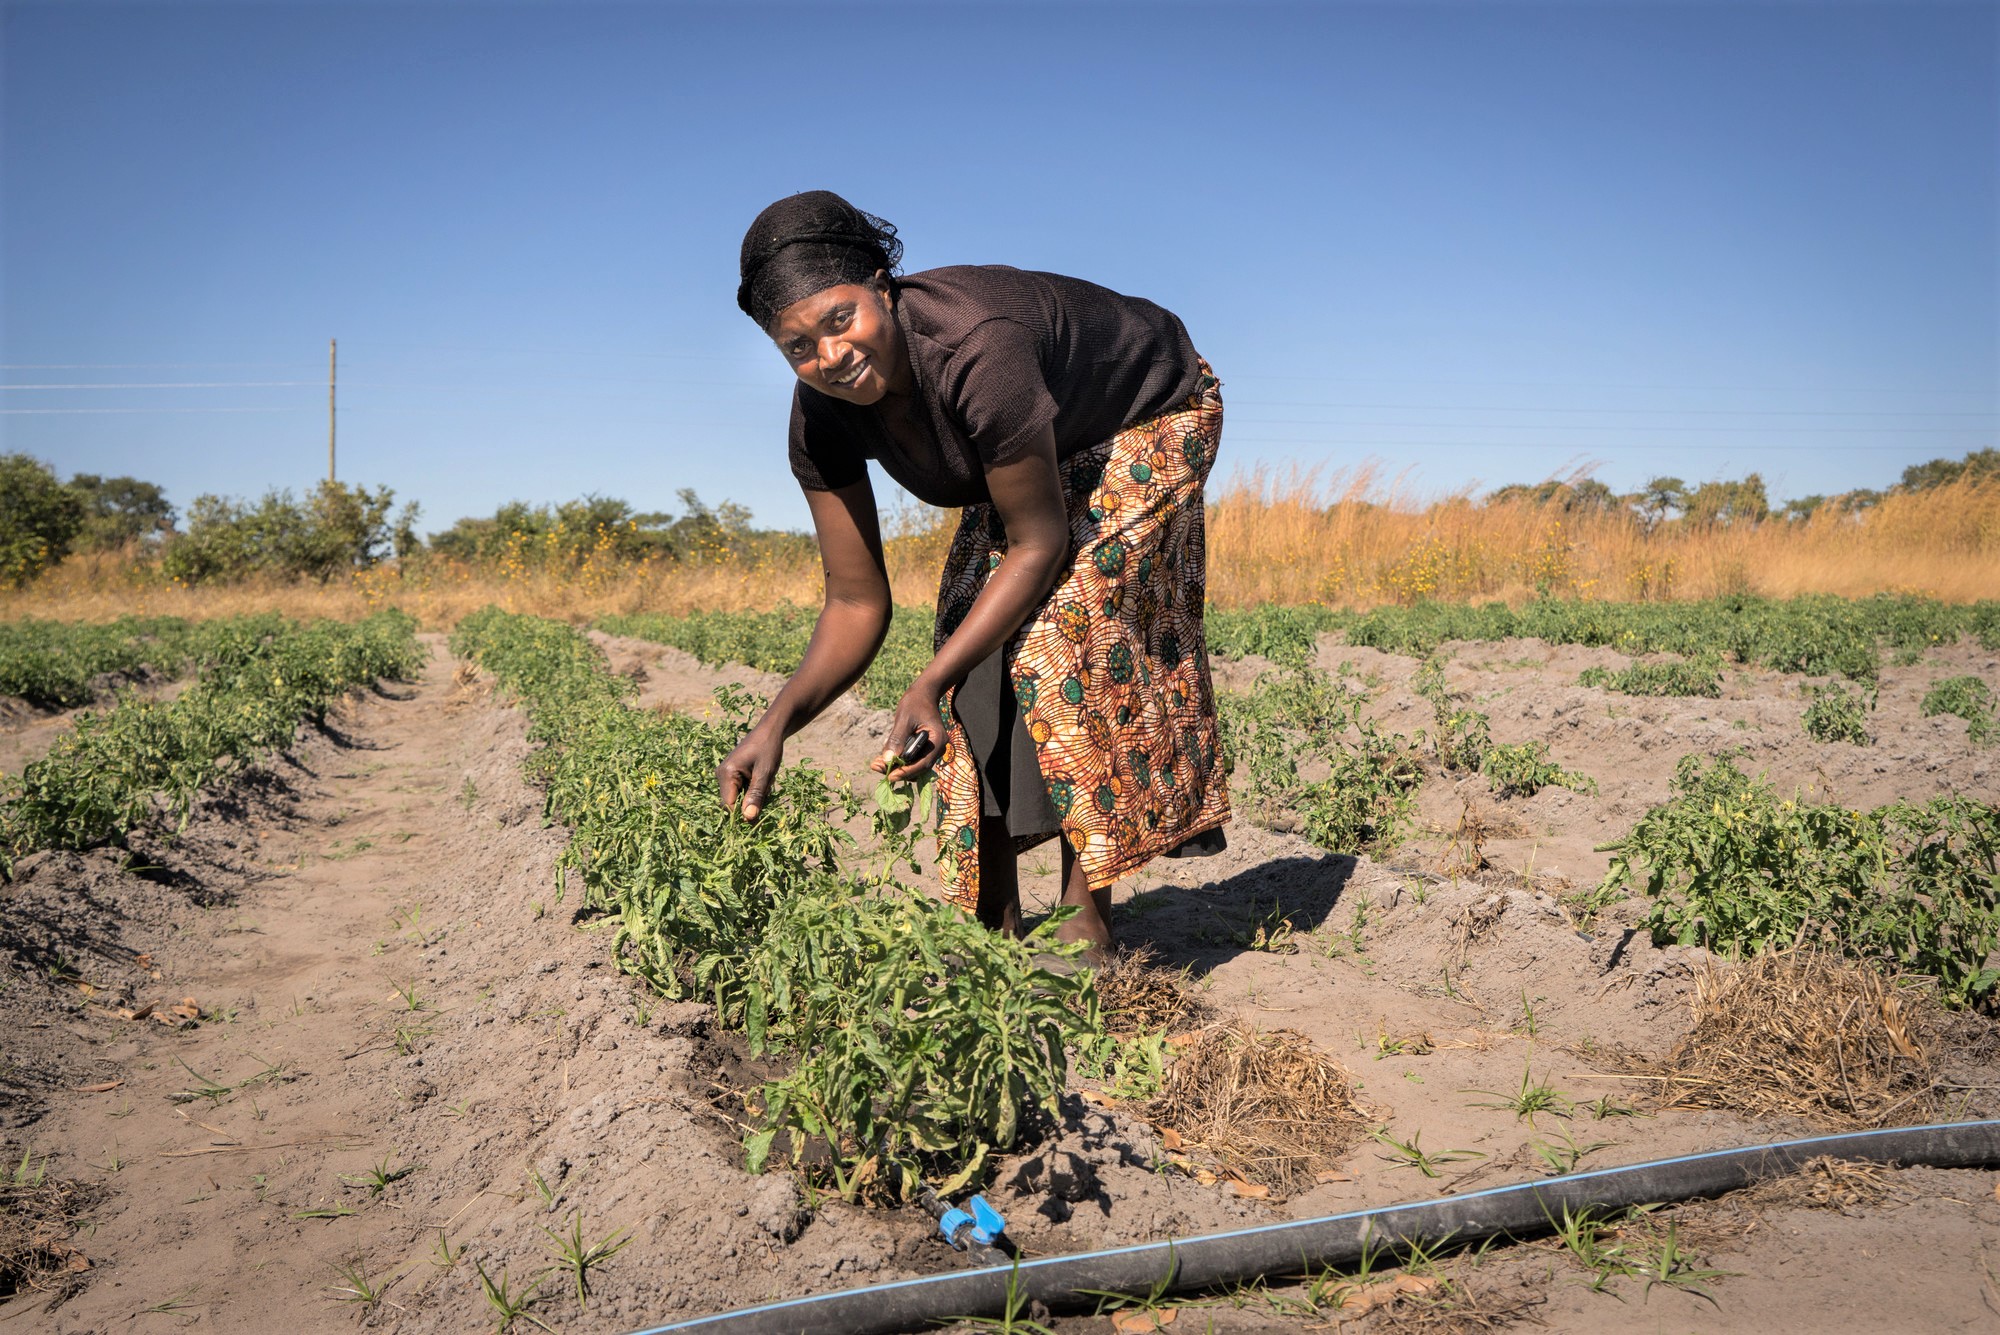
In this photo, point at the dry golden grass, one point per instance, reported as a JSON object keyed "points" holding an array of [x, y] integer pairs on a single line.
{"points": [[1268, 1106], [1351, 539], [1798, 1034], [1137, 994], [38, 1220]]}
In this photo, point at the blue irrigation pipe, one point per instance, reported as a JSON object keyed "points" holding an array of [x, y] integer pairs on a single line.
{"points": [[1341, 1240]]}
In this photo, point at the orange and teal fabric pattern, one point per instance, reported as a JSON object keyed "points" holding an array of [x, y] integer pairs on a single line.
{"points": [[1112, 672]]}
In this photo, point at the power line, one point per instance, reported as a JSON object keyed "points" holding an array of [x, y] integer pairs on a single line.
{"points": [[127, 366], [1543, 445], [59, 412], [192, 384], [1589, 426], [1688, 412]]}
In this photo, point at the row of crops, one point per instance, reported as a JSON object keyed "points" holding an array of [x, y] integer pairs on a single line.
{"points": [[1727, 862], [1818, 635], [144, 761], [922, 1043], [61, 664]]}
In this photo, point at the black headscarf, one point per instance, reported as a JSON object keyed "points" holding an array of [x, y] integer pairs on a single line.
{"points": [[807, 243]]}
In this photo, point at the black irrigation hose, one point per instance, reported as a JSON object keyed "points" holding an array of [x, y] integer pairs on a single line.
{"points": [[1337, 1240]]}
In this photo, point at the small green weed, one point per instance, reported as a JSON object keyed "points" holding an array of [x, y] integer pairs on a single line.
{"points": [[380, 1177], [578, 1257], [1411, 1153], [356, 1287], [1533, 1098], [412, 998], [511, 1304]]}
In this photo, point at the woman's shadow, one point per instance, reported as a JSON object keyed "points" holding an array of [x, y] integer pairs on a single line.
{"points": [[1262, 908]]}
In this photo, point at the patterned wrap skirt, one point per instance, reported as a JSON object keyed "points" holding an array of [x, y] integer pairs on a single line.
{"points": [[1111, 673]]}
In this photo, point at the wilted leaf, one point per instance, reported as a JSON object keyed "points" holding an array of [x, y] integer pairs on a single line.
{"points": [[1139, 1320], [1365, 1298], [1170, 1138], [102, 1087], [1255, 1191]]}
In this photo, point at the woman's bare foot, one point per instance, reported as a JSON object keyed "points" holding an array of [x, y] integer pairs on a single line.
{"points": [[1092, 921]]}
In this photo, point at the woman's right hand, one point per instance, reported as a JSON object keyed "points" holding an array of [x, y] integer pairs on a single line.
{"points": [[749, 771]]}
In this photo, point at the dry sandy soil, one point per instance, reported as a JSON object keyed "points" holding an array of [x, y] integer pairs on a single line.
{"points": [[376, 977]]}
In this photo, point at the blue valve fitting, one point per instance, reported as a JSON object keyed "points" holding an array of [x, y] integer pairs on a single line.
{"points": [[981, 1225]]}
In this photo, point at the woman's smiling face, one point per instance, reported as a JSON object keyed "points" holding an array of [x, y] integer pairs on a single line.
{"points": [[843, 341]]}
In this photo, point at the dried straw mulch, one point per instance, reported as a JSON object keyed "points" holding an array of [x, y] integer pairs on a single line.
{"points": [[1801, 1034], [1268, 1106], [38, 1219], [1136, 994]]}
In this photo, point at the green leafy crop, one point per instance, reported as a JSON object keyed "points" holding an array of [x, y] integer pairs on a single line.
{"points": [[1836, 714], [1299, 720], [775, 641], [1524, 769], [261, 677], [1968, 698], [1731, 866], [1694, 676], [923, 1042], [1463, 733]]}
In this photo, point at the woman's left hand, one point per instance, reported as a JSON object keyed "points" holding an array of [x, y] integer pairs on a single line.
{"points": [[917, 712]]}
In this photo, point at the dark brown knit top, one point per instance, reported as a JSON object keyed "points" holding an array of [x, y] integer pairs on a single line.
{"points": [[997, 354]]}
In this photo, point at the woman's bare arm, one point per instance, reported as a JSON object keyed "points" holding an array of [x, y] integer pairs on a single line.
{"points": [[852, 623]]}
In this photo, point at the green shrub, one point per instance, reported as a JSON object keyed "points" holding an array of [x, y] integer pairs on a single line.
{"points": [[39, 518], [1731, 866], [119, 511], [1836, 714], [335, 529], [1300, 718], [1968, 698], [1524, 769], [1686, 677]]}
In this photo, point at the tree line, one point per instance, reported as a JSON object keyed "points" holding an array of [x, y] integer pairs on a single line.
{"points": [[336, 528], [1669, 500]]}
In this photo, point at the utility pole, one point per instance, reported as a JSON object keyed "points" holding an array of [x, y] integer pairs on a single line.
{"points": [[332, 364]]}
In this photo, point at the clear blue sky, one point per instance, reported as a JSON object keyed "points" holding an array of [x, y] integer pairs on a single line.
{"points": [[1481, 242]]}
